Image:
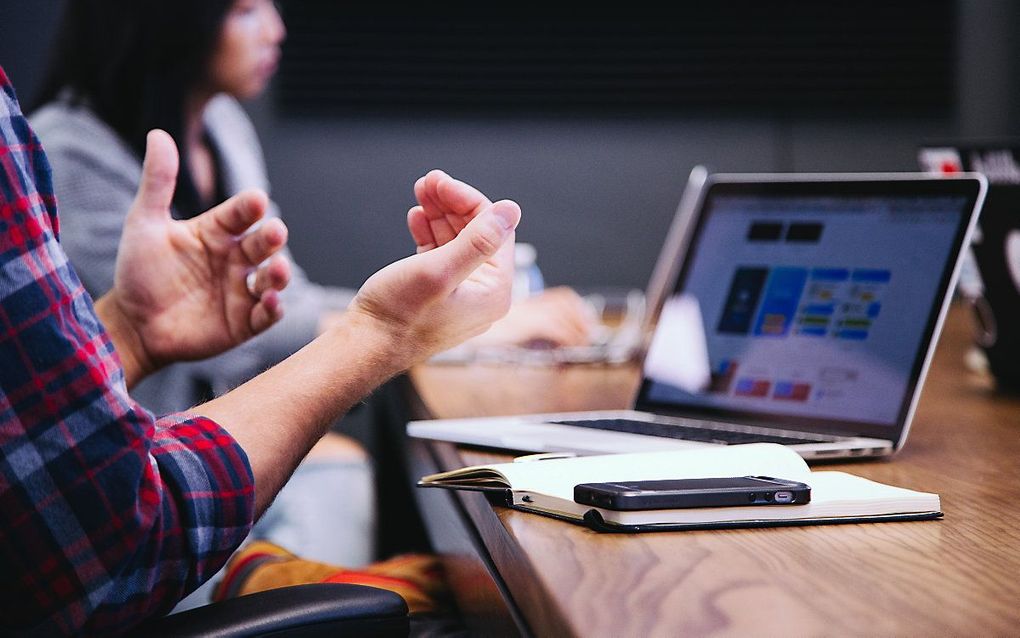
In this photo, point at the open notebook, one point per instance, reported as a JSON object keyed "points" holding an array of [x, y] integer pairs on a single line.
{"points": [[547, 487]]}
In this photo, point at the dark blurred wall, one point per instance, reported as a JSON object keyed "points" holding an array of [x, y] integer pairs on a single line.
{"points": [[26, 28], [598, 192]]}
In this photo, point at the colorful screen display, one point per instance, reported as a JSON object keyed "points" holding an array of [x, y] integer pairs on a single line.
{"points": [[812, 306]]}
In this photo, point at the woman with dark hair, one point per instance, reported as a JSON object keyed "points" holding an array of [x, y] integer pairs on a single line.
{"points": [[143, 65], [122, 68]]}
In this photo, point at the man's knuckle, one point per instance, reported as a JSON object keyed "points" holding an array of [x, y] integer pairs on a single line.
{"points": [[484, 243]]}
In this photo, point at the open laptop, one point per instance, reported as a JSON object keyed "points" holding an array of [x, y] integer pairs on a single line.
{"points": [[990, 276], [812, 304]]}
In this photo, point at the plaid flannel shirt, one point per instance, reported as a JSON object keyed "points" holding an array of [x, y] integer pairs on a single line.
{"points": [[108, 516]]}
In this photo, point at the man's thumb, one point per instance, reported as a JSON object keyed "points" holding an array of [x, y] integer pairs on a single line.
{"points": [[482, 239], [159, 174]]}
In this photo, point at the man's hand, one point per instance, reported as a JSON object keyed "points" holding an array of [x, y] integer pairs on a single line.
{"points": [[558, 316], [445, 207], [181, 288], [457, 284], [455, 287]]}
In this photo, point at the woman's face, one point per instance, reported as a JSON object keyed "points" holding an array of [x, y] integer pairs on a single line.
{"points": [[249, 49]]}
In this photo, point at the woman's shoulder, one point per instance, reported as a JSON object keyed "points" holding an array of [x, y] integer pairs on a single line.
{"points": [[235, 138], [225, 117], [66, 122], [72, 132]]}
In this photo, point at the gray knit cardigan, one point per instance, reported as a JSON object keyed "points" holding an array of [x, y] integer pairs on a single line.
{"points": [[95, 176]]}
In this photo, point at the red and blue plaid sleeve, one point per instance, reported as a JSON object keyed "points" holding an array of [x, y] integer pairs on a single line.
{"points": [[107, 516]]}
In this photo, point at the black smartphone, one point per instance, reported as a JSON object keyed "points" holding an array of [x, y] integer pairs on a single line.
{"points": [[685, 493]]}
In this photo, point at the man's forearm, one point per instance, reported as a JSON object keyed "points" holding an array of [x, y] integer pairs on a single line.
{"points": [[280, 414]]}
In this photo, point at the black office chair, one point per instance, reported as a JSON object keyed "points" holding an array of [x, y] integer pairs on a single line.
{"points": [[325, 609]]}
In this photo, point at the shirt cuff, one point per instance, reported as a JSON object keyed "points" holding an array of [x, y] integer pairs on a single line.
{"points": [[210, 481]]}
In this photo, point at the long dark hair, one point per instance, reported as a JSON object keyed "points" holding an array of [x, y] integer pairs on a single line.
{"points": [[134, 63]]}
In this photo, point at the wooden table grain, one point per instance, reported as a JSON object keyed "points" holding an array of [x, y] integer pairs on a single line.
{"points": [[957, 576]]}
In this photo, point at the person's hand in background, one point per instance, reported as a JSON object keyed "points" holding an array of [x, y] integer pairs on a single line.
{"points": [[182, 288], [556, 317]]}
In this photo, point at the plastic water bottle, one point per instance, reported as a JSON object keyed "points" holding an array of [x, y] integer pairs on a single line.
{"points": [[527, 277]]}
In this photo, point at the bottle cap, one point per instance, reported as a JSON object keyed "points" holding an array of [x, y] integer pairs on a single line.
{"points": [[524, 255]]}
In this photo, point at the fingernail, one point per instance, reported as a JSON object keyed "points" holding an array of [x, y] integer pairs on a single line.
{"points": [[507, 213]]}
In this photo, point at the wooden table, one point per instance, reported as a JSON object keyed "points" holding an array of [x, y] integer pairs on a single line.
{"points": [[516, 573]]}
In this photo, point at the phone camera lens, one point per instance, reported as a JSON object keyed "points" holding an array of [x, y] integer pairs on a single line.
{"points": [[752, 497]]}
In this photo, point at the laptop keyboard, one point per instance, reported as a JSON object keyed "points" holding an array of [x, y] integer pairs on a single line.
{"points": [[689, 432]]}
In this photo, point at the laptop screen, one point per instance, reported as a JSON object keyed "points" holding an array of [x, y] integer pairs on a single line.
{"points": [[817, 302]]}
